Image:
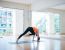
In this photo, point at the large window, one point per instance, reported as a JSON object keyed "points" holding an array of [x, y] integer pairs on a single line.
{"points": [[39, 20], [6, 21], [46, 22]]}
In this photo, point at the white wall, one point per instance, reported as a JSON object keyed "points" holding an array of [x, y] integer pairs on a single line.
{"points": [[19, 21], [27, 19], [23, 20]]}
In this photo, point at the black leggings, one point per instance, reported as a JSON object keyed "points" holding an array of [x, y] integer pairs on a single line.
{"points": [[27, 30]]}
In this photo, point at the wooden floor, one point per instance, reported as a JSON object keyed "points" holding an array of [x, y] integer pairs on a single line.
{"points": [[26, 43]]}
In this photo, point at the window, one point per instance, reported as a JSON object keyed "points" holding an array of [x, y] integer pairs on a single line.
{"points": [[47, 22], [6, 22], [57, 22]]}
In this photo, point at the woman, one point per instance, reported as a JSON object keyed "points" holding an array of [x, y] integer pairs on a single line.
{"points": [[34, 31]]}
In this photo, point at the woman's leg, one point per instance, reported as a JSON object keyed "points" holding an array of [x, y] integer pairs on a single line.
{"points": [[23, 33], [32, 32]]}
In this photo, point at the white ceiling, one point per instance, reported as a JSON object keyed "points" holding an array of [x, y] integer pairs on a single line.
{"points": [[42, 4], [60, 7], [20, 1]]}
